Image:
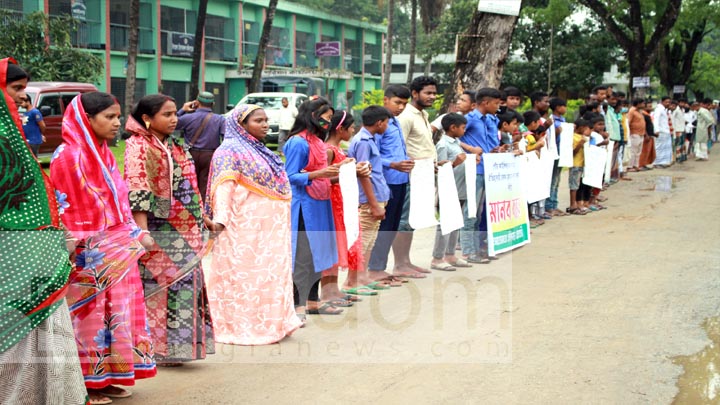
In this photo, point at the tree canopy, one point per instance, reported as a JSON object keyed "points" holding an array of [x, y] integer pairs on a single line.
{"points": [[24, 39]]}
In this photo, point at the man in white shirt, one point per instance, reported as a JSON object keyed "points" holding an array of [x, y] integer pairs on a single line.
{"points": [[678, 121], [287, 119], [663, 141]]}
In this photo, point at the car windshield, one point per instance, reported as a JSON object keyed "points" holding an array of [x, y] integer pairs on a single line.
{"points": [[266, 102]]}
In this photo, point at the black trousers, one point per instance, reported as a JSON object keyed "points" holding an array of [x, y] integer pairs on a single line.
{"points": [[306, 282]]}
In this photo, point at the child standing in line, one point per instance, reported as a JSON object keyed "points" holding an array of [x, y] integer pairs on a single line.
{"points": [[579, 193], [535, 141], [374, 195], [559, 108], [449, 149], [341, 129], [598, 137]]}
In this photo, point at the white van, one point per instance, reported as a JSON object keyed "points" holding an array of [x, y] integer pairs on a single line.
{"points": [[272, 103]]}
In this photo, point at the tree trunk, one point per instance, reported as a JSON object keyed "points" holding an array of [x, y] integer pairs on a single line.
{"points": [[413, 41], [675, 62], [133, 42], [197, 49], [482, 52], [264, 39], [389, 44]]}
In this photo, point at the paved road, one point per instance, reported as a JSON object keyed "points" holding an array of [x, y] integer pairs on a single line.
{"points": [[591, 312]]}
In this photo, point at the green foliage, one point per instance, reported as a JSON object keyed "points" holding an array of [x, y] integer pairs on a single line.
{"points": [[372, 97], [370, 11], [580, 53], [705, 79], [25, 41]]}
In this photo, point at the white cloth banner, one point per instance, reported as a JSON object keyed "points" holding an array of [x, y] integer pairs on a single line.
{"points": [[451, 217], [551, 143], [595, 157], [470, 189], [536, 176], [351, 196], [608, 161], [422, 194], [566, 145]]}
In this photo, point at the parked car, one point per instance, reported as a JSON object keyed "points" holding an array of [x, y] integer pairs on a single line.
{"points": [[272, 103], [51, 99]]}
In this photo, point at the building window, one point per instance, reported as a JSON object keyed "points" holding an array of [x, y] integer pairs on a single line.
{"points": [[398, 68], [177, 90], [373, 62], [117, 88], [279, 49], [220, 38], [120, 26], [251, 38], [89, 28], [353, 56], [330, 62], [305, 50], [177, 31]]}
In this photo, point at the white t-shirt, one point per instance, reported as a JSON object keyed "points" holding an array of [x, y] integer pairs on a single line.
{"points": [[287, 117]]}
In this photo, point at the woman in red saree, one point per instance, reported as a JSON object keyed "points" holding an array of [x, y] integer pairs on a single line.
{"points": [[105, 296]]}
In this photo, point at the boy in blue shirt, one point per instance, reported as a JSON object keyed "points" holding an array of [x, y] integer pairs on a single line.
{"points": [[33, 125], [374, 191]]}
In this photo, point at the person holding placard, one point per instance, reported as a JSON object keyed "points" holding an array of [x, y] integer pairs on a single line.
{"points": [[559, 108], [374, 195], [579, 193], [449, 149]]}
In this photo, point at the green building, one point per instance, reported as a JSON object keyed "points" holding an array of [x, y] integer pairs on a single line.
{"points": [[232, 33]]}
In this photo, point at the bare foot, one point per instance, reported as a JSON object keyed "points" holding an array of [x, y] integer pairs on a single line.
{"points": [[115, 392]]}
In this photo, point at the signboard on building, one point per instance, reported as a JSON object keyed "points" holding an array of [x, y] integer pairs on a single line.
{"points": [[679, 89], [327, 48], [507, 7], [641, 81], [180, 44], [78, 9]]}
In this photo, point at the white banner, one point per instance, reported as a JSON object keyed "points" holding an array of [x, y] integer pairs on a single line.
{"points": [[422, 194], [451, 217], [351, 195], [608, 162], [551, 143], [536, 176], [595, 158], [470, 178], [566, 145]]}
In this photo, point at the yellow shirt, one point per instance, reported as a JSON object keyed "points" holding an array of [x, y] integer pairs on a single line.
{"points": [[579, 156], [418, 135], [530, 138]]}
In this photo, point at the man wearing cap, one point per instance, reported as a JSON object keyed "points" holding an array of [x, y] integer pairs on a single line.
{"points": [[203, 131]]}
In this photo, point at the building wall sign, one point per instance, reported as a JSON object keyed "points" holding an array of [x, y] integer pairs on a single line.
{"points": [[181, 44], [327, 48]]}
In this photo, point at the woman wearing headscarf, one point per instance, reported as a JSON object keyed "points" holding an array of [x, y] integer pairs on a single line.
{"points": [[250, 283], [105, 296], [38, 356], [166, 204], [313, 230]]}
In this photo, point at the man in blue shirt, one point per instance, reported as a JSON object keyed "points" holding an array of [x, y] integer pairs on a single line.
{"points": [[203, 131], [396, 165], [33, 125], [481, 136], [559, 108], [374, 192]]}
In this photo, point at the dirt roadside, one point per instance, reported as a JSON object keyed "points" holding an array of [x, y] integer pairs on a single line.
{"points": [[592, 311]]}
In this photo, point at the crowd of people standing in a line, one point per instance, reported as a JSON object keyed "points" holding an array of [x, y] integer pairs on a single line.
{"points": [[123, 286]]}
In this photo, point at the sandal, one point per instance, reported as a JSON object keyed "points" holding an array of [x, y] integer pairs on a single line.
{"points": [[99, 400], [324, 309], [351, 298], [359, 290], [442, 266], [340, 303], [377, 285], [576, 211], [303, 319], [409, 274], [112, 391], [460, 263]]}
